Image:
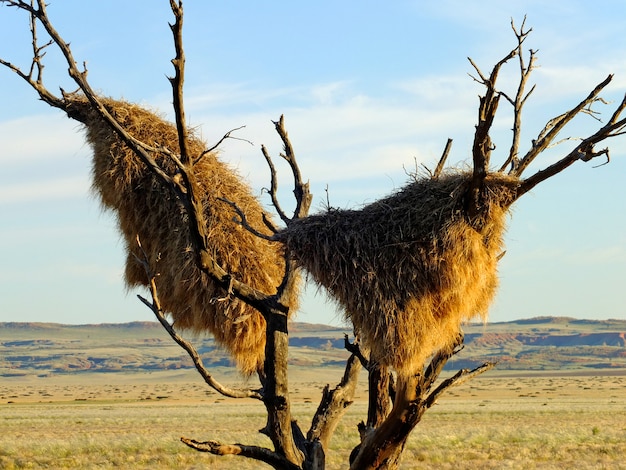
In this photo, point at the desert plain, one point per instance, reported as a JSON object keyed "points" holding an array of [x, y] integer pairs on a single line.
{"points": [[128, 418]]}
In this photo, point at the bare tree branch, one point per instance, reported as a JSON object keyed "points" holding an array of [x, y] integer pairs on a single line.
{"points": [[614, 121], [355, 349], [261, 454], [437, 364], [36, 63], [520, 97], [554, 126], [178, 80], [301, 189], [459, 378], [442, 161], [155, 306], [584, 151], [243, 220], [219, 142], [483, 146], [273, 189], [334, 404]]}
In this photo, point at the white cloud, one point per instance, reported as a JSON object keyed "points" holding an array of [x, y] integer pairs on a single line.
{"points": [[45, 191], [441, 90], [39, 137], [328, 93], [346, 135]]}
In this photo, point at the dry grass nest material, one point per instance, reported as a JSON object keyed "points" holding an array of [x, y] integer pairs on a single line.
{"points": [[408, 269], [144, 207]]}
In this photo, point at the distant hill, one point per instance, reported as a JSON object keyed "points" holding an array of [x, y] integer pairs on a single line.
{"points": [[535, 344]]}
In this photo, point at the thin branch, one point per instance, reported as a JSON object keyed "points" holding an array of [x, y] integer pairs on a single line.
{"points": [[459, 378], [243, 220], [269, 223], [178, 81], [520, 96], [36, 62], [437, 364], [554, 126], [483, 146], [584, 151], [301, 189], [193, 354], [542, 175], [38, 51], [155, 306], [273, 190], [219, 142], [355, 350], [615, 117], [442, 161], [261, 454]]}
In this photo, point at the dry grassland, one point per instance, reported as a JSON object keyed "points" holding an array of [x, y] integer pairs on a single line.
{"points": [[135, 421]]}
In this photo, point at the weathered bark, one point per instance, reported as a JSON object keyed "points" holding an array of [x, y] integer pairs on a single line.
{"points": [[276, 390], [380, 383], [381, 447], [334, 404], [382, 444]]}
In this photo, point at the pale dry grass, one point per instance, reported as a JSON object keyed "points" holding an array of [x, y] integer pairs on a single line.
{"points": [[492, 422]]}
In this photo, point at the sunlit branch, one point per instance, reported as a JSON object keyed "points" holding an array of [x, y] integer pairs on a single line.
{"points": [[155, 306]]}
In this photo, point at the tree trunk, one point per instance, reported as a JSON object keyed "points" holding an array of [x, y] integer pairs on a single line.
{"points": [[276, 389], [381, 448]]}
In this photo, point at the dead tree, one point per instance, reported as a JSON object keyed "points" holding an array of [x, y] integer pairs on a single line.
{"points": [[449, 277]]}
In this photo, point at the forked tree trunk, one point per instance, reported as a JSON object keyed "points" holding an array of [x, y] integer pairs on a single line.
{"points": [[382, 447]]}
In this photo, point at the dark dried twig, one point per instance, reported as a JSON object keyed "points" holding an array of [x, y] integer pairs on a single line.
{"points": [[261, 454], [178, 81], [459, 378], [243, 221], [483, 146], [355, 350], [219, 142], [585, 150], [273, 189], [554, 126], [442, 161], [520, 97], [301, 189], [155, 306]]}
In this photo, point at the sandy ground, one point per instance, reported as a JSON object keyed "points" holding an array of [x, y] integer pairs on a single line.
{"points": [[306, 386]]}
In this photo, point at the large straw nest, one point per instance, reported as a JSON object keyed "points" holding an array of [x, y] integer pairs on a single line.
{"points": [[411, 268], [145, 208]]}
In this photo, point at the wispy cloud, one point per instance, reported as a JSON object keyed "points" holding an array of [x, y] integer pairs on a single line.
{"points": [[49, 190], [39, 137], [344, 134]]}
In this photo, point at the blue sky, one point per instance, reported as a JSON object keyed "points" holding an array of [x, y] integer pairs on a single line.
{"points": [[367, 88]]}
